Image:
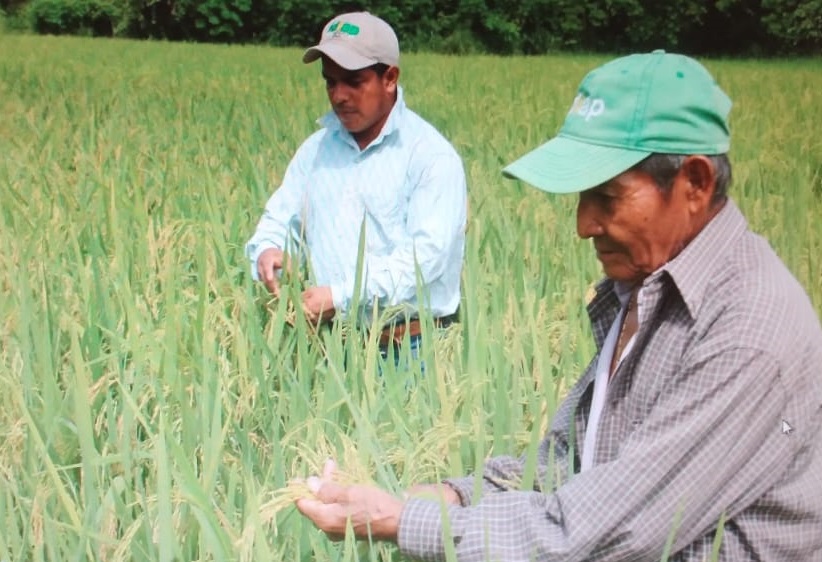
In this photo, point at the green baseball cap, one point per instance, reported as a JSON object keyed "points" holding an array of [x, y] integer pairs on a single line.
{"points": [[625, 111]]}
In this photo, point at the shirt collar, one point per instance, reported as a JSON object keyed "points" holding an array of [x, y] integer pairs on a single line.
{"points": [[696, 265], [331, 122]]}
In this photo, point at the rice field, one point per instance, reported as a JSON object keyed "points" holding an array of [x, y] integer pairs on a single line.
{"points": [[154, 403]]}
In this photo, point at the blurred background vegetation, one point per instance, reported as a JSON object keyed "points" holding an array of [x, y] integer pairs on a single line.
{"points": [[720, 27]]}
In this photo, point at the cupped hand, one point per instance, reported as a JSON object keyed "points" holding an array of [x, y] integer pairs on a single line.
{"points": [[370, 511]]}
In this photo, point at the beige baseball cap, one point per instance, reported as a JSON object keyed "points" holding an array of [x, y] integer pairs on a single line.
{"points": [[356, 40]]}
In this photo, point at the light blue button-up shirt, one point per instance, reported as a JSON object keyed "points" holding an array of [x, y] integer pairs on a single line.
{"points": [[407, 188]]}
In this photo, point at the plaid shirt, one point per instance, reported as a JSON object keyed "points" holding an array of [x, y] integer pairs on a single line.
{"points": [[716, 411]]}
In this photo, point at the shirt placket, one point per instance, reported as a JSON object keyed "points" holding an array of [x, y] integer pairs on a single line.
{"points": [[603, 312], [615, 424]]}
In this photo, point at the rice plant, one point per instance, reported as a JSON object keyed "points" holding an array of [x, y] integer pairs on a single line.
{"points": [[157, 405]]}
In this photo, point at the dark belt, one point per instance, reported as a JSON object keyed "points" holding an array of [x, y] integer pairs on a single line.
{"points": [[396, 332]]}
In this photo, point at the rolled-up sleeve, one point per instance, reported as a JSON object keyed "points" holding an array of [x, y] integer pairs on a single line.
{"points": [[281, 222]]}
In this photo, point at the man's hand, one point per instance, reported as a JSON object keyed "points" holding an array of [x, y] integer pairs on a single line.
{"points": [[268, 265], [436, 492], [371, 511], [318, 304]]}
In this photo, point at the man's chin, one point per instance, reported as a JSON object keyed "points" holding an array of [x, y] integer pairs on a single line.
{"points": [[350, 122], [622, 274]]}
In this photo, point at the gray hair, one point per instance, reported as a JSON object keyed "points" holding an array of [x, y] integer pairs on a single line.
{"points": [[664, 167]]}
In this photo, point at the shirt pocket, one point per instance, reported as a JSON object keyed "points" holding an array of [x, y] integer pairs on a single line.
{"points": [[386, 206]]}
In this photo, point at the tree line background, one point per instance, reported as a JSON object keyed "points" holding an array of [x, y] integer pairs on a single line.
{"points": [[720, 27]]}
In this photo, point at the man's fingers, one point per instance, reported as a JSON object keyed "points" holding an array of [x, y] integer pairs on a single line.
{"points": [[329, 469], [273, 286], [267, 274], [323, 516], [331, 492], [310, 315], [318, 304], [324, 489], [268, 263], [309, 506], [314, 484], [307, 313]]}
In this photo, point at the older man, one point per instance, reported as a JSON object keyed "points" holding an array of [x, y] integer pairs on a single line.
{"points": [[703, 405]]}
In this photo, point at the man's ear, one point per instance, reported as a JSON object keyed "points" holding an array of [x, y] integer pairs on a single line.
{"points": [[698, 177], [391, 77]]}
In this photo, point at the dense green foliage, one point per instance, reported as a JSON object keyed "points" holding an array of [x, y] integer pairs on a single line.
{"points": [[494, 26]]}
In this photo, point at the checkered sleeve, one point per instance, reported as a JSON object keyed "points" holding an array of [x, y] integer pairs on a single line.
{"points": [[504, 473], [688, 462]]}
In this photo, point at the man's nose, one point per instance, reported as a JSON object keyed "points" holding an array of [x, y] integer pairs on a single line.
{"points": [[588, 223], [338, 93]]}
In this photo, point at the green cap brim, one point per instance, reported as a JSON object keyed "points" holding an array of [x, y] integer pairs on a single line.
{"points": [[565, 165]]}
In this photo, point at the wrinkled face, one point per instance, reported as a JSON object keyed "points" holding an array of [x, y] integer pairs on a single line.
{"points": [[361, 98], [636, 227]]}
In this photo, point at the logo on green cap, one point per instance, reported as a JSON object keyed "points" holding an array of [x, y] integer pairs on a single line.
{"points": [[588, 107], [339, 27]]}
